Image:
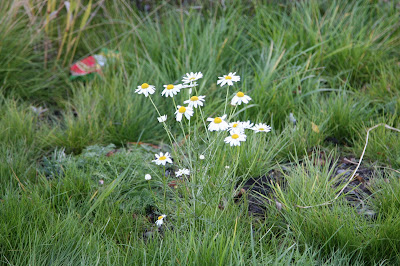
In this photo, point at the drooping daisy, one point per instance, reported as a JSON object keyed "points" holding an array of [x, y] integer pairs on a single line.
{"points": [[246, 124], [182, 110], [160, 220], [171, 90], [236, 127], [162, 159], [191, 77], [162, 118], [145, 89], [235, 139], [261, 128], [228, 79], [184, 171], [240, 98], [147, 177], [190, 85], [195, 101], [217, 123]]}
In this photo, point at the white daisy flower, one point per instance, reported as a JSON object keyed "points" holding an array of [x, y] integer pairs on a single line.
{"points": [[240, 98], [201, 157], [217, 123], [228, 79], [160, 220], [261, 128], [190, 77], [246, 124], [195, 101], [162, 118], [162, 159], [236, 127], [145, 89], [171, 90], [182, 110], [182, 172], [191, 85], [147, 177], [227, 167], [235, 139]]}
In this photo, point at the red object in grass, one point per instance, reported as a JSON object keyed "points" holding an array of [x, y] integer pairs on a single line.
{"points": [[85, 66]]}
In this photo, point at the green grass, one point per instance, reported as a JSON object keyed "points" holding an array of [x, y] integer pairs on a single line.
{"points": [[332, 64]]}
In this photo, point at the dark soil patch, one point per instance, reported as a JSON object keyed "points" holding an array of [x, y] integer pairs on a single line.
{"points": [[259, 190]]}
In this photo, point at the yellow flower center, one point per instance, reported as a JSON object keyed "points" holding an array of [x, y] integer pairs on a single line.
{"points": [[160, 217], [145, 86], [182, 109], [235, 125], [235, 136], [217, 120], [192, 78], [240, 94], [194, 98], [228, 77], [261, 128], [162, 158], [170, 87]]}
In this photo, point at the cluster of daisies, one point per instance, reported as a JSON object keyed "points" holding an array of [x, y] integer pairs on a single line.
{"points": [[236, 129]]}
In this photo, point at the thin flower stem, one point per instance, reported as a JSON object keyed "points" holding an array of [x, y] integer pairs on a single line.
{"points": [[226, 98], [154, 105], [151, 191], [165, 126], [232, 112], [165, 189], [169, 133], [255, 157], [189, 148], [202, 117], [173, 100]]}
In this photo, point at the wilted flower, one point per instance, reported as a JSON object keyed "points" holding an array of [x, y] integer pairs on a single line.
{"points": [[162, 118], [246, 124], [160, 220], [182, 172], [190, 77]]}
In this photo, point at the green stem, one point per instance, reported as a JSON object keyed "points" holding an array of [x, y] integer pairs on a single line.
{"points": [[165, 190], [202, 118], [226, 98], [169, 133]]}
